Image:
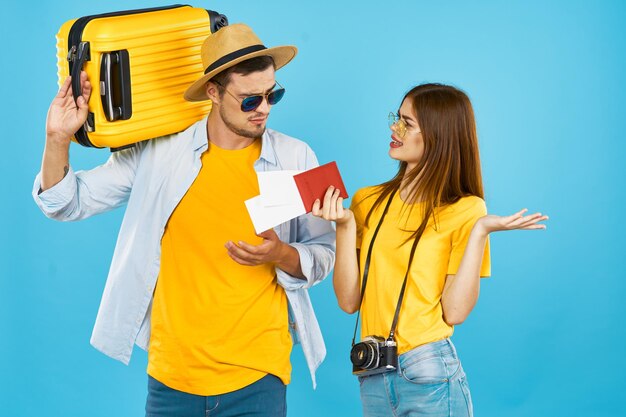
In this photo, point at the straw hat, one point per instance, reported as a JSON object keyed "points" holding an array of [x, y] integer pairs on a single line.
{"points": [[229, 46]]}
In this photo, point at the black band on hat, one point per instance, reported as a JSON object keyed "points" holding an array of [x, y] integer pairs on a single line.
{"points": [[234, 55]]}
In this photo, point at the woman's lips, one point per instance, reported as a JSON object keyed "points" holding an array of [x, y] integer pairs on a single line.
{"points": [[395, 143]]}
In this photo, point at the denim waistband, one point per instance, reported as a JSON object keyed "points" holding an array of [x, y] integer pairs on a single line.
{"points": [[440, 347]]}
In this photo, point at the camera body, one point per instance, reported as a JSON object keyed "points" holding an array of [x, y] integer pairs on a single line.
{"points": [[374, 355]]}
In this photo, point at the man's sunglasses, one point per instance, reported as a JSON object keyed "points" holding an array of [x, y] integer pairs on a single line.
{"points": [[252, 102]]}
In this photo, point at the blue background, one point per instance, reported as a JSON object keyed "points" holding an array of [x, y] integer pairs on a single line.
{"points": [[547, 80]]}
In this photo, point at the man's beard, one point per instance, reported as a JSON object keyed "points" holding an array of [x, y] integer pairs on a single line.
{"points": [[252, 134]]}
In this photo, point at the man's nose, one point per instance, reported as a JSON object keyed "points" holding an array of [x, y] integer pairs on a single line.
{"points": [[264, 107]]}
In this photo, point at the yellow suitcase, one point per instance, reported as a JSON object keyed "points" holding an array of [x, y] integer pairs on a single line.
{"points": [[139, 62]]}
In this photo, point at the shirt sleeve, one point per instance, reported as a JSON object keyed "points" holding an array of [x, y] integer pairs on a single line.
{"points": [[82, 194], [314, 239], [360, 213], [460, 237]]}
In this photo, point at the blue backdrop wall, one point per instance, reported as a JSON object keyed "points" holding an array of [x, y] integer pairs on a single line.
{"points": [[547, 80]]}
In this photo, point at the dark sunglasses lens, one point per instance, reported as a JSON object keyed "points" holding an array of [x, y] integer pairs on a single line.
{"points": [[251, 103], [275, 96]]}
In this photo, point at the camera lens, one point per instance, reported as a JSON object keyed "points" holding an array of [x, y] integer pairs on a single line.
{"points": [[364, 355]]}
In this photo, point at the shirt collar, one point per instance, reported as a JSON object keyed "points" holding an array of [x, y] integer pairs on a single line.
{"points": [[200, 138], [267, 148]]}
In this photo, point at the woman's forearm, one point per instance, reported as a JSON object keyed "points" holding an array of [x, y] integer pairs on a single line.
{"points": [[346, 273], [461, 290]]}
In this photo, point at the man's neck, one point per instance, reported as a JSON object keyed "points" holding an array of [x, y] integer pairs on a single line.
{"points": [[220, 135]]}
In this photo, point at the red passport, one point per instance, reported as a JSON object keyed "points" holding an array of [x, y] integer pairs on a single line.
{"points": [[312, 184]]}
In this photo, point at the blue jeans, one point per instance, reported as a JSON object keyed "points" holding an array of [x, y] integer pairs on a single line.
{"points": [[429, 381], [264, 398]]}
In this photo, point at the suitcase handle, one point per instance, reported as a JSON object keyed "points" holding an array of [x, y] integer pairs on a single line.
{"points": [[115, 85], [77, 55]]}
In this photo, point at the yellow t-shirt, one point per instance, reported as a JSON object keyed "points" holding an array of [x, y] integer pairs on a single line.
{"points": [[437, 255], [217, 326]]}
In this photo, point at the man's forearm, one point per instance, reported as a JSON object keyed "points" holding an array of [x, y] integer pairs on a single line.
{"points": [[290, 261], [55, 163]]}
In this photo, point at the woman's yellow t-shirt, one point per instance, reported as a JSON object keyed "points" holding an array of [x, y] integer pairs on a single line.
{"points": [[217, 326], [438, 254]]}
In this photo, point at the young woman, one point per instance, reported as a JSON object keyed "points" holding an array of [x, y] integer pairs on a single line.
{"points": [[421, 243]]}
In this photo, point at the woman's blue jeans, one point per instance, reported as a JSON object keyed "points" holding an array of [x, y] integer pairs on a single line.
{"points": [[429, 381], [264, 398]]}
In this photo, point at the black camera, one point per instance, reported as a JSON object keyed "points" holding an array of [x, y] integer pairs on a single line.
{"points": [[374, 355]]}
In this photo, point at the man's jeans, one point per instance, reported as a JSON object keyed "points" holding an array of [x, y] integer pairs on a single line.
{"points": [[264, 398], [429, 382]]}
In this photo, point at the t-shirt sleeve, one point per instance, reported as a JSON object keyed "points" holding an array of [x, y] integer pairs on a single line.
{"points": [[360, 213], [476, 209]]}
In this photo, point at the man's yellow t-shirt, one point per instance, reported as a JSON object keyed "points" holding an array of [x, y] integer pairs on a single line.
{"points": [[438, 254], [217, 326]]}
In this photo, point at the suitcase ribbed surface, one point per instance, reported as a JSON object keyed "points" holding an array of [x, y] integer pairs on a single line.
{"points": [[164, 52]]}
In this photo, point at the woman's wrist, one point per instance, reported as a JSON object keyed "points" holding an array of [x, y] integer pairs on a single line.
{"points": [[347, 220], [480, 229]]}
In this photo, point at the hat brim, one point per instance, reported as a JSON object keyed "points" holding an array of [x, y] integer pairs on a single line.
{"points": [[282, 56]]}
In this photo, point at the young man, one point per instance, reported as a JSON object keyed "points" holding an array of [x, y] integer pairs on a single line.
{"points": [[190, 280]]}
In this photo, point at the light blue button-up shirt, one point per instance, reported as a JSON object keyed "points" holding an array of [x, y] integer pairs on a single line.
{"points": [[152, 178]]}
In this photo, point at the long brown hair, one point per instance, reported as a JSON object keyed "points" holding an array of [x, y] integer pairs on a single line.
{"points": [[450, 166]]}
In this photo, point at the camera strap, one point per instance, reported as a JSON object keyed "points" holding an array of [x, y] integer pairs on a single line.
{"points": [[366, 273], [366, 268], [406, 276]]}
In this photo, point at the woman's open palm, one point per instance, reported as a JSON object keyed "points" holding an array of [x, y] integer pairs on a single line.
{"points": [[518, 221]]}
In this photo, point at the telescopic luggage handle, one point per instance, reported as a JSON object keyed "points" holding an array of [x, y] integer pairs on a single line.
{"points": [[114, 82], [115, 85]]}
